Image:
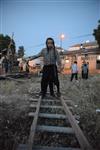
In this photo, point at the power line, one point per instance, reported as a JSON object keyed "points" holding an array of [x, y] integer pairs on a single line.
{"points": [[42, 44], [75, 37], [84, 35]]}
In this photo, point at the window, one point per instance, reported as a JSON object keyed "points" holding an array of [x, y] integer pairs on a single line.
{"points": [[98, 62]]}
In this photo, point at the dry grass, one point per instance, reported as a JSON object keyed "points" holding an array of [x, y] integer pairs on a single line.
{"points": [[14, 105]]}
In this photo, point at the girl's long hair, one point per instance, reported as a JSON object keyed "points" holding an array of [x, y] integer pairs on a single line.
{"points": [[52, 43]]}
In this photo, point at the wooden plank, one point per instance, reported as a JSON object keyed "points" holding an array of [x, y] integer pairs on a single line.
{"points": [[33, 100], [50, 106], [66, 130], [33, 105], [58, 100], [54, 148], [50, 100], [46, 115], [24, 147], [31, 114], [78, 132], [33, 126], [51, 116], [69, 102], [47, 106]]}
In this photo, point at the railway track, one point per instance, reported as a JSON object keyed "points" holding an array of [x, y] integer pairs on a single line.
{"points": [[54, 126]]}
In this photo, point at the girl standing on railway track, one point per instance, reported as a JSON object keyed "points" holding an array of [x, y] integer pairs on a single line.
{"points": [[51, 66]]}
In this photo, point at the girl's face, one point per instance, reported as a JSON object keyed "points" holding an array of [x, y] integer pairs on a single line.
{"points": [[50, 44]]}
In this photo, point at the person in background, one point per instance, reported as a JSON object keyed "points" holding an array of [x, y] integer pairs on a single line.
{"points": [[20, 66], [27, 66], [24, 65], [74, 70], [5, 64], [10, 66], [52, 63], [0, 66], [84, 70], [88, 69]]}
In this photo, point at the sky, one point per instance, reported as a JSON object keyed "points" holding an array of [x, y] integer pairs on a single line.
{"points": [[32, 21]]}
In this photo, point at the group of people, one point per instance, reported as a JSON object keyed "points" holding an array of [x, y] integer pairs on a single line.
{"points": [[52, 65], [75, 70]]}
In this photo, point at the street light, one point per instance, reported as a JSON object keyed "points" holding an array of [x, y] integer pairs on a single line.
{"points": [[62, 36], [81, 46]]}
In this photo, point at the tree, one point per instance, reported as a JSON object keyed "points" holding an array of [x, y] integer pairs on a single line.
{"points": [[96, 33], [7, 43], [21, 51]]}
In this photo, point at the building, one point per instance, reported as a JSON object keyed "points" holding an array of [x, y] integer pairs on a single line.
{"points": [[89, 52], [35, 66]]}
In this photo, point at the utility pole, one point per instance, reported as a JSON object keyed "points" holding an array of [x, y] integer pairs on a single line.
{"points": [[62, 36], [10, 53]]}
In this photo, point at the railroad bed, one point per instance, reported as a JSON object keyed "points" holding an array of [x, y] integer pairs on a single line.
{"points": [[54, 126]]}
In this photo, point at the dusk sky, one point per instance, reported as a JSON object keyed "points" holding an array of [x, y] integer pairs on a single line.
{"points": [[32, 21]]}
